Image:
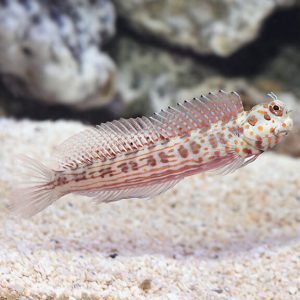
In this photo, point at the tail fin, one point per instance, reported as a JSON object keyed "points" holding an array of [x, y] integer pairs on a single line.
{"points": [[36, 195]]}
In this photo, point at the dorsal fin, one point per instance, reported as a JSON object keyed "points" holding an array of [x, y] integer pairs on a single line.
{"points": [[199, 113], [112, 138], [106, 141]]}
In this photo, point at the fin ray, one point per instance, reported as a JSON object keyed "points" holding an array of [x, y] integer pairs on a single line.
{"points": [[28, 200], [149, 190]]}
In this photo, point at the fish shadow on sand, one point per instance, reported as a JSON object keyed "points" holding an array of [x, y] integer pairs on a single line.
{"points": [[139, 245]]}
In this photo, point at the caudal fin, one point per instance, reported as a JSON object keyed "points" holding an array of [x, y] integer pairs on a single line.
{"points": [[35, 195]]}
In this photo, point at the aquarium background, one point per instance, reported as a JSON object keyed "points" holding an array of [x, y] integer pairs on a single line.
{"points": [[95, 61], [65, 65]]}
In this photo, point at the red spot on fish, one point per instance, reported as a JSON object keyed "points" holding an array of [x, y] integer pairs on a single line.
{"points": [[79, 177], [267, 116], [200, 159], [150, 160], [204, 124], [106, 171], [134, 165], [63, 180], [163, 157], [240, 130], [222, 139], [195, 147], [247, 151], [217, 153], [93, 174], [224, 119], [183, 152], [124, 167], [213, 141]]}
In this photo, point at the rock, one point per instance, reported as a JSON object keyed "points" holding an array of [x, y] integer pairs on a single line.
{"points": [[49, 50], [149, 79], [218, 27], [284, 70], [207, 238]]}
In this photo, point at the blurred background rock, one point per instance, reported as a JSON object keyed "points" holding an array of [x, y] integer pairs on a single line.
{"points": [[96, 60]]}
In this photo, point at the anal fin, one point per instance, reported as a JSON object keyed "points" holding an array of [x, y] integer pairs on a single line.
{"points": [[145, 191]]}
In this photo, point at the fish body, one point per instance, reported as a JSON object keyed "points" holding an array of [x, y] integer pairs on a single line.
{"points": [[143, 157], [165, 160]]}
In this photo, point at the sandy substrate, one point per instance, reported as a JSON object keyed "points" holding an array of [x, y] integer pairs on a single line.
{"points": [[225, 237]]}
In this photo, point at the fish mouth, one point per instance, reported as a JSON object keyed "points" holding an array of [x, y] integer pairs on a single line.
{"points": [[282, 132]]}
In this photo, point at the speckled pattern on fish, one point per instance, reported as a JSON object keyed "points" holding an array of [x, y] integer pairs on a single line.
{"points": [[143, 157]]}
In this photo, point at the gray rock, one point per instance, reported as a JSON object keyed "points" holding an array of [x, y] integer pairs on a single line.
{"points": [[49, 50], [283, 70], [150, 79], [220, 26]]}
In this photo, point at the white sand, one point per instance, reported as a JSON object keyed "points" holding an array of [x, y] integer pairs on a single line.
{"points": [[225, 237]]}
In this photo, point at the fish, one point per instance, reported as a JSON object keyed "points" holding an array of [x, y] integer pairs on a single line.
{"points": [[145, 156]]}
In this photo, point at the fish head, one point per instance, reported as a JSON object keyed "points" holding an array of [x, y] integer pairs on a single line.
{"points": [[266, 124]]}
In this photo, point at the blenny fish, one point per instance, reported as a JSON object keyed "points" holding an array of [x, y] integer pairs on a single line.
{"points": [[145, 156]]}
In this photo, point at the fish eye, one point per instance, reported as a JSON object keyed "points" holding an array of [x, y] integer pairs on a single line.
{"points": [[276, 109]]}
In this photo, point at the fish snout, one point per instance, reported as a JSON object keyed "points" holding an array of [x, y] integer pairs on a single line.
{"points": [[281, 132], [285, 128]]}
